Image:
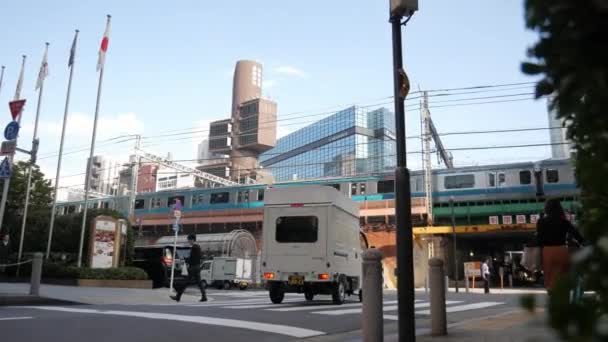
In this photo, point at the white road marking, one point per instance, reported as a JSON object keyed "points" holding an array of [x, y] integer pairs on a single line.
{"points": [[312, 306], [465, 307], [13, 318], [205, 320], [386, 308]]}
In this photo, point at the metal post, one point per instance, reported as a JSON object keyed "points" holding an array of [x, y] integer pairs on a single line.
{"points": [[438, 313], [36, 274], [454, 244], [89, 167], [65, 120], [134, 176], [2, 77], [466, 283], [173, 261], [372, 323], [7, 181], [29, 174], [403, 212]]}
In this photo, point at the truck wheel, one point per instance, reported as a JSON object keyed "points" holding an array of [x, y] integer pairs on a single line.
{"points": [[227, 285], [276, 293], [338, 294], [309, 295]]}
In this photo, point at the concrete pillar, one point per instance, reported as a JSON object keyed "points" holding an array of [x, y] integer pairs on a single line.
{"points": [[372, 321], [438, 314], [36, 274]]}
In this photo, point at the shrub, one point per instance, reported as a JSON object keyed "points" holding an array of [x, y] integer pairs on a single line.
{"points": [[51, 270]]}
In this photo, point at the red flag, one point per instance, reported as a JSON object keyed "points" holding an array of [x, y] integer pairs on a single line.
{"points": [[104, 46]]}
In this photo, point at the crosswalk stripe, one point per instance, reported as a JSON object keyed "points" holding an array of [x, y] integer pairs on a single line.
{"points": [[465, 307], [232, 302], [312, 306], [266, 304], [386, 308]]}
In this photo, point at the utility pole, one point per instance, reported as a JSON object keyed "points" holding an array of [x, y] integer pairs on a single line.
{"points": [[134, 176], [403, 204], [454, 245], [426, 158]]}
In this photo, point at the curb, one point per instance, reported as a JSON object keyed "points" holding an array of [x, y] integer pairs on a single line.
{"points": [[26, 300]]}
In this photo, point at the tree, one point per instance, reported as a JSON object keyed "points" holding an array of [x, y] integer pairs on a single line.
{"points": [[39, 205], [571, 55]]}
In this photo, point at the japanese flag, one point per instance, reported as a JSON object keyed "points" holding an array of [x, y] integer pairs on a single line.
{"points": [[104, 46]]}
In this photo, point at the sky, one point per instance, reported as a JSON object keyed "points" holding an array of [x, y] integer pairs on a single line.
{"points": [[169, 69]]}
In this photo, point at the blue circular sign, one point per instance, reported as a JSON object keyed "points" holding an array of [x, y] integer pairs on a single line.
{"points": [[11, 131]]}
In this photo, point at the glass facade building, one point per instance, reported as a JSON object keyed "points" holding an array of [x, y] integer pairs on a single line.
{"points": [[354, 141]]}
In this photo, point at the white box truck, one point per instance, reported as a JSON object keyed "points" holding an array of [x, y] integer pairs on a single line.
{"points": [[312, 243], [226, 272]]}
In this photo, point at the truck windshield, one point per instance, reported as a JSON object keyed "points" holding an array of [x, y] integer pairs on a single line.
{"points": [[299, 229]]}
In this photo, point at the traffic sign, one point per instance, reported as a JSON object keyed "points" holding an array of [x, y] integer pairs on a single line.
{"points": [[11, 131], [16, 107], [178, 204], [5, 168], [175, 226], [177, 214], [8, 147]]}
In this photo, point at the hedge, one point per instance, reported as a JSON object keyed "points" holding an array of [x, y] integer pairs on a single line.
{"points": [[71, 272]]}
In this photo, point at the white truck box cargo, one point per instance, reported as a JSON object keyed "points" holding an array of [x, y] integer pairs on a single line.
{"points": [[225, 272]]}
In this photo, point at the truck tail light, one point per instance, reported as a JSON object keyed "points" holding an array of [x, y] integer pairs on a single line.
{"points": [[323, 276], [268, 275], [167, 260]]}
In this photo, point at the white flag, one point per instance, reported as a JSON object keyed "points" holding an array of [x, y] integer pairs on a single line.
{"points": [[104, 46], [20, 81], [44, 68]]}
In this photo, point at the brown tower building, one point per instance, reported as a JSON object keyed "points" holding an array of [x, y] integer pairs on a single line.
{"points": [[251, 130]]}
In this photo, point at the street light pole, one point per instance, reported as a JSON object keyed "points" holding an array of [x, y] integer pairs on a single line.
{"points": [[403, 205], [454, 243]]}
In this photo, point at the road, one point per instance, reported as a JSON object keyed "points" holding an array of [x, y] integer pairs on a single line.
{"points": [[228, 316]]}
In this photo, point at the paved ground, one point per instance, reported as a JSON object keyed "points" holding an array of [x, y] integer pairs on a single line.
{"points": [[149, 315]]}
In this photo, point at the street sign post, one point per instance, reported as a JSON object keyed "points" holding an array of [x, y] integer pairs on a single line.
{"points": [[176, 230], [5, 168], [11, 131]]}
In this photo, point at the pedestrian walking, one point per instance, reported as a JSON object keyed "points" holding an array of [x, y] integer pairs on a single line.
{"points": [[485, 275], [194, 271], [553, 232], [5, 250]]}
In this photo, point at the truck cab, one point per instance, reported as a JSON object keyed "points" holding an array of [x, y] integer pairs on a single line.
{"points": [[311, 243]]}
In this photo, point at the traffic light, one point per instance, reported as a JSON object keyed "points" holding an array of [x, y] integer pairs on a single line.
{"points": [[405, 84], [34, 151]]}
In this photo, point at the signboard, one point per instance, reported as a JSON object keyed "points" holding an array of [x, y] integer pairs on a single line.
{"points": [[16, 108], [8, 147], [472, 269], [520, 219], [11, 131], [5, 168], [534, 218], [493, 219], [507, 219], [177, 214], [105, 242]]}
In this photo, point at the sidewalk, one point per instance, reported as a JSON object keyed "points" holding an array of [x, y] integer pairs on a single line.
{"points": [[87, 295]]}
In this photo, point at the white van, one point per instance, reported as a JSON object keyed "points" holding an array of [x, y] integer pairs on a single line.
{"points": [[226, 272], [311, 243]]}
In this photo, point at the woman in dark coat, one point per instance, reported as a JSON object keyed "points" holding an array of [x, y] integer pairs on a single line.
{"points": [[553, 231]]}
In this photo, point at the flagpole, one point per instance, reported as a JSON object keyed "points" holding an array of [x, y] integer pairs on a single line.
{"points": [[90, 161], [7, 181], [32, 156], [65, 120], [1, 77]]}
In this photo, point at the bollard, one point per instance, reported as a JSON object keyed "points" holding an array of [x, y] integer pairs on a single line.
{"points": [[426, 283], [447, 284], [510, 280], [36, 274], [372, 321], [466, 284], [438, 314]]}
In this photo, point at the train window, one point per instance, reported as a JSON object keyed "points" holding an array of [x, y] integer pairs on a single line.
{"points": [[171, 201], [491, 180], [525, 177], [552, 176], [261, 195], [386, 186], [502, 179], [459, 181], [139, 204], [353, 189], [156, 203], [197, 199], [335, 186], [243, 196], [362, 188], [219, 197]]}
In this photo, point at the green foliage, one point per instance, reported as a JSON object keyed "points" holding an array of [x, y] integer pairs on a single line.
{"points": [[117, 273], [571, 56]]}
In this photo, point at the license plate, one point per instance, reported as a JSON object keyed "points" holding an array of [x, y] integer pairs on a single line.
{"points": [[296, 280]]}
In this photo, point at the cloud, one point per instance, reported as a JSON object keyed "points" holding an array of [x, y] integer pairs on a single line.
{"points": [[80, 125], [291, 70], [270, 84], [283, 131]]}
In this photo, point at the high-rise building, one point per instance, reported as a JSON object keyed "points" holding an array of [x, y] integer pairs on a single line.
{"points": [[250, 131], [351, 142], [561, 148], [105, 174]]}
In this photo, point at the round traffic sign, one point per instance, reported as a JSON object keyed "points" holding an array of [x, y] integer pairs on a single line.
{"points": [[11, 131], [177, 214]]}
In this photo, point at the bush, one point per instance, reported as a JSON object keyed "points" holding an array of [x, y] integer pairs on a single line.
{"points": [[50, 270]]}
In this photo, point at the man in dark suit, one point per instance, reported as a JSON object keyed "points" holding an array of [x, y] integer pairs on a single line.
{"points": [[194, 271]]}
